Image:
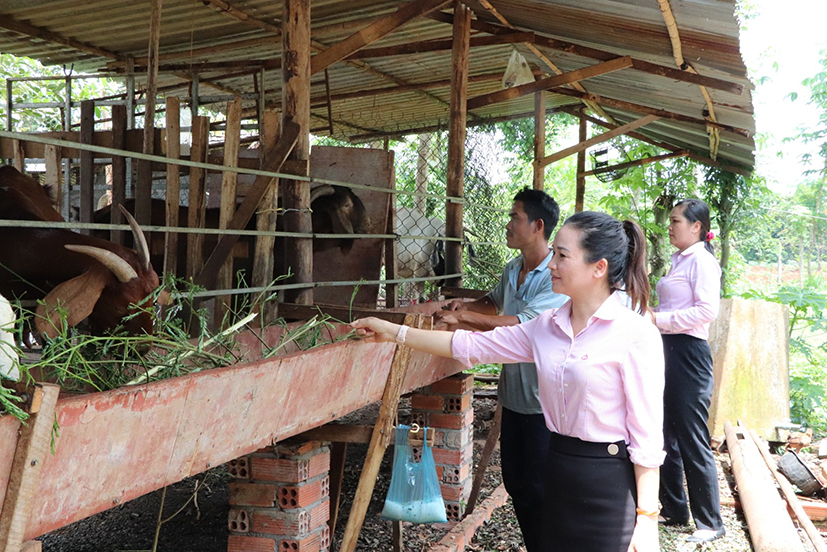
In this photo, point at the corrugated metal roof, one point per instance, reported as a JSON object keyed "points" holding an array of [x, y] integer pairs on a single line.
{"points": [[708, 30]]}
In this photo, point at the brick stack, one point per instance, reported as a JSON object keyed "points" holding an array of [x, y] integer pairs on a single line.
{"points": [[280, 499], [446, 407]]}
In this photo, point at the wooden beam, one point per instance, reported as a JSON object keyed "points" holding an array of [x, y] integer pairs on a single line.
{"points": [[341, 433], [118, 171], [338, 457], [197, 196], [229, 190], [266, 220], [51, 158], [550, 82], [456, 139], [7, 22], [637, 162], [490, 443], [602, 55], [273, 162], [440, 44], [87, 164], [295, 101], [231, 11], [196, 53], [373, 32], [173, 117], [293, 311], [539, 181], [580, 179], [19, 161], [585, 144], [637, 108]]}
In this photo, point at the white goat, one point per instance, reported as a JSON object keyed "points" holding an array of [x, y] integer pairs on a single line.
{"points": [[9, 360], [416, 258]]}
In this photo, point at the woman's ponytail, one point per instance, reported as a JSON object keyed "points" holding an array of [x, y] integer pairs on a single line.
{"points": [[637, 278]]}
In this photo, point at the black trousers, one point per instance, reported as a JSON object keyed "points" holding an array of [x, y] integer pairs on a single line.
{"points": [[591, 497], [687, 395], [524, 440]]}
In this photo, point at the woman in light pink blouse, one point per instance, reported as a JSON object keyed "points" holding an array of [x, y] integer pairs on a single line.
{"points": [[689, 297], [600, 371]]}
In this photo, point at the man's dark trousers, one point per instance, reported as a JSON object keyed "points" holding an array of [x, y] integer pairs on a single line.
{"points": [[524, 442]]}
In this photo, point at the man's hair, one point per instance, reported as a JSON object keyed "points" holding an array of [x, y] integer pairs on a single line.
{"points": [[539, 205]]}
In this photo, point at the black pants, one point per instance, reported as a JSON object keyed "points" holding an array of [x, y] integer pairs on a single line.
{"points": [[686, 400], [590, 497], [524, 442]]}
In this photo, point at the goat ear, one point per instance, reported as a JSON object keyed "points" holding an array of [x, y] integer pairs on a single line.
{"points": [[340, 222], [76, 296]]}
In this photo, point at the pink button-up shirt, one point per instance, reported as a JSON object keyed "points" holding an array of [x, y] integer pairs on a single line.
{"points": [[690, 295], [603, 385]]}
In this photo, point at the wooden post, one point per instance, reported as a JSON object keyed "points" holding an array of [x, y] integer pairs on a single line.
{"points": [[397, 539], [338, 454], [143, 191], [119, 122], [87, 163], [490, 443], [580, 191], [539, 140], [31, 452], [19, 156], [456, 140], [52, 160], [295, 101], [391, 255], [173, 121], [381, 438], [267, 218], [229, 184], [197, 195]]}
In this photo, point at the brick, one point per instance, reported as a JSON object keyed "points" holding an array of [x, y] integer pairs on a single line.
{"points": [[459, 403], [277, 522], [452, 421], [454, 438], [420, 417], [458, 384], [456, 493], [319, 515], [238, 521], [238, 543], [240, 467], [454, 474], [440, 470], [304, 494], [288, 470], [453, 457], [453, 511], [427, 402], [316, 542], [296, 447], [252, 494]]}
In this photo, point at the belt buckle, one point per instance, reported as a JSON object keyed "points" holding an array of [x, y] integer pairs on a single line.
{"points": [[613, 449]]}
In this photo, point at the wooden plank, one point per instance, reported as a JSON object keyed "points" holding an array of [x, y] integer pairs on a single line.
{"points": [[381, 438], [391, 253], [87, 165], [197, 196], [143, 191], [229, 185], [441, 44], [295, 101], [580, 179], [459, 292], [397, 542], [119, 124], [266, 221], [490, 443], [245, 211], [373, 32], [173, 192], [293, 311], [637, 162], [539, 181], [585, 144], [550, 82], [169, 430], [456, 139], [32, 450], [33, 150], [338, 455], [19, 161], [341, 433], [51, 158]]}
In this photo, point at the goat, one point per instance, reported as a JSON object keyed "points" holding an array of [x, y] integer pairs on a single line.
{"points": [[9, 361], [80, 275]]}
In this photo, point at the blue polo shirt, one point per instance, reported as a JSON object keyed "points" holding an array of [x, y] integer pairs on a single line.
{"points": [[518, 387]]}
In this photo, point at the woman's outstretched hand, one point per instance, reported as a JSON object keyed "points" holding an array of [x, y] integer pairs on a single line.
{"points": [[375, 329]]}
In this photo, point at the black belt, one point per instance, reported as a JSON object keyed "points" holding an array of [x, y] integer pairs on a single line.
{"points": [[578, 447]]}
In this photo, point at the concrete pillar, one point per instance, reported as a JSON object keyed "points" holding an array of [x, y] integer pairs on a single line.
{"points": [[445, 406], [280, 499]]}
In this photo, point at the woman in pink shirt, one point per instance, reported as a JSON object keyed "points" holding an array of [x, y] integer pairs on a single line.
{"points": [[689, 297], [600, 372]]}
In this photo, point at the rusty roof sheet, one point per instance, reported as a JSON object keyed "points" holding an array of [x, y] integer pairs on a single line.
{"points": [[88, 35]]}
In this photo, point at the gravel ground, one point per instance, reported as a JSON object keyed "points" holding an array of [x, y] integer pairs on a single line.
{"points": [[202, 527]]}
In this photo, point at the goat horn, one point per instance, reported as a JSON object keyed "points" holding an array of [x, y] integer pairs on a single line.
{"points": [[140, 240], [320, 191], [122, 270]]}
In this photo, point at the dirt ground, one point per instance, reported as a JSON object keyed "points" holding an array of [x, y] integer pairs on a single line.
{"points": [[201, 525]]}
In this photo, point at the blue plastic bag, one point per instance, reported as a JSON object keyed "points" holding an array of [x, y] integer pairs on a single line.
{"points": [[414, 494]]}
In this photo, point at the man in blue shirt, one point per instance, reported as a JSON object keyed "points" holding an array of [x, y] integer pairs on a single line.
{"points": [[523, 293]]}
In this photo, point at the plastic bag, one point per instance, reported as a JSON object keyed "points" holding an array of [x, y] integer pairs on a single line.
{"points": [[517, 72], [414, 493]]}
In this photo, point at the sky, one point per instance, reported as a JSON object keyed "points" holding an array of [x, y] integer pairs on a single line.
{"points": [[782, 40]]}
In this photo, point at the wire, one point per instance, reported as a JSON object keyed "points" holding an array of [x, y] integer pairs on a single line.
{"points": [[803, 215]]}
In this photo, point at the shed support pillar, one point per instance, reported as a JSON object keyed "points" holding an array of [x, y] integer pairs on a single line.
{"points": [[445, 407], [280, 498]]}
